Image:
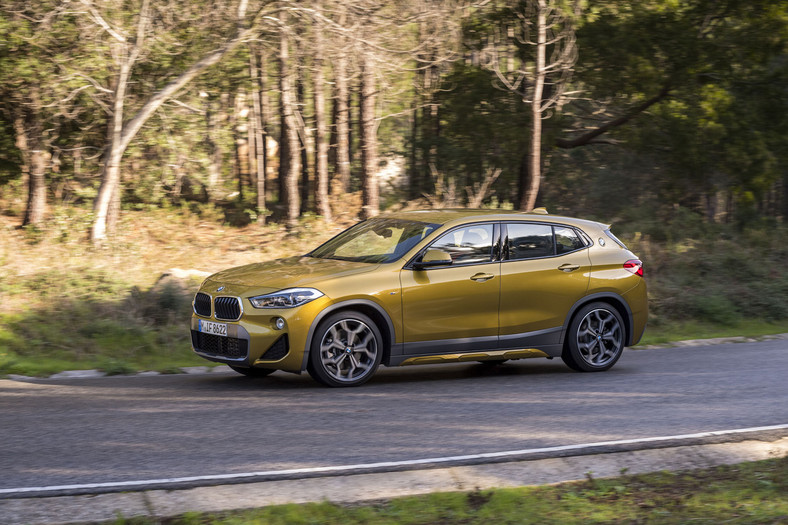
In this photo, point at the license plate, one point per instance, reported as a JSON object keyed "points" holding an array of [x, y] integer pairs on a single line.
{"points": [[209, 327]]}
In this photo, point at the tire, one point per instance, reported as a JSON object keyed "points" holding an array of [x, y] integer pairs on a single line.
{"points": [[252, 372], [595, 339], [346, 350]]}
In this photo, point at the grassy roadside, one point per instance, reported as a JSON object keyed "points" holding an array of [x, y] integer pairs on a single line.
{"points": [[673, 331], [747, 493], [121, 309]]}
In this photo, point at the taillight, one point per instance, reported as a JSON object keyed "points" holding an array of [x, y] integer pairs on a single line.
{"points": [[634, 266]]}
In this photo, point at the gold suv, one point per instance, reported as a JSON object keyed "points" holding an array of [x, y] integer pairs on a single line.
{"points": [[433, 286]]}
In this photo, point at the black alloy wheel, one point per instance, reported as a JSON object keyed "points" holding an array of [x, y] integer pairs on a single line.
{"points": [[595, 339]]}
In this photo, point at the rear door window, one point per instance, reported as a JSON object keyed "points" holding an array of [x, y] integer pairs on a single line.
{"points": [[529, 241]]}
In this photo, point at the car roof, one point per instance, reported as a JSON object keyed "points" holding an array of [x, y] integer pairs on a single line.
{"points": [[457, 216]]}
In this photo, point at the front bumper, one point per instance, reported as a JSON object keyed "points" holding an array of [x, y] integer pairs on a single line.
{"points": [[254, 340]]}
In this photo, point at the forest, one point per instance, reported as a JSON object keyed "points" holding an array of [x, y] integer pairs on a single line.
{"points": [[135, 130], [622, 109]]}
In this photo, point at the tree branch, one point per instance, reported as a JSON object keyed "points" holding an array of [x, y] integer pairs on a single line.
{"points": [[133, 126], [588, 138], [103, 23]]}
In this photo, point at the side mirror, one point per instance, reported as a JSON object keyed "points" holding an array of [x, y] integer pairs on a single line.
{"points": [[433, 257]]}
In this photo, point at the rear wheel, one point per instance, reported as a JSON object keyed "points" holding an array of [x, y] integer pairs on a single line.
{"points": [[595, 339], [346, 350], [252, 372]]}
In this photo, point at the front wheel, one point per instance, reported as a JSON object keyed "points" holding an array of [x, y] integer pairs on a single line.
{"points": [[346, 350], [595, 339]]}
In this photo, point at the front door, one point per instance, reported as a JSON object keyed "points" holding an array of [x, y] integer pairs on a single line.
{"points": [[454, 308]]}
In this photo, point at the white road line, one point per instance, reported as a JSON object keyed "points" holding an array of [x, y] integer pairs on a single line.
{"points": [[361, 467]]}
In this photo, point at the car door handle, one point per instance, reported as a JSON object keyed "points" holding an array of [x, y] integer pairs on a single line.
{"points": [[481, 277], [568, 267]]}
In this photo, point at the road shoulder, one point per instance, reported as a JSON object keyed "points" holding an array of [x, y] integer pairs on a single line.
{"points": [[366, 487]]}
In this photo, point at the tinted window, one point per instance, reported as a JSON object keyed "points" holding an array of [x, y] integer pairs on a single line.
{"points": [[567, 240], [471, 244], [526, 241]]}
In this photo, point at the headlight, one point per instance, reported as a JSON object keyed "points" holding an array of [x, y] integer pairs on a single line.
{"points": [[289, 298]]}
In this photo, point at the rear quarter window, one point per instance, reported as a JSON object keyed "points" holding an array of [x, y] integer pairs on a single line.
{"points": [[567, 240]]}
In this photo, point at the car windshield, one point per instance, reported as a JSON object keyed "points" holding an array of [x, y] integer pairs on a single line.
{"points": [[374, 241]]}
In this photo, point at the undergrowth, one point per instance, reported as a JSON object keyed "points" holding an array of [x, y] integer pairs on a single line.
{"points": [[721, 276], [123, 307]]}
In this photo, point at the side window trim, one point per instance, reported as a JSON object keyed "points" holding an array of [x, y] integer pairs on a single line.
{"points": [[497, 248]]}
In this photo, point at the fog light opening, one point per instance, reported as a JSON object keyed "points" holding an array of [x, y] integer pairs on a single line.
{"points": [[279, 323]]}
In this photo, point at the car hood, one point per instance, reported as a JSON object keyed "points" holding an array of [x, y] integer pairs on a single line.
{"points": [[290, 272]]}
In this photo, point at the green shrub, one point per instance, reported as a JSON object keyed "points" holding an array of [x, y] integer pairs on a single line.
{"points": [[116, 367], [715, 308]]}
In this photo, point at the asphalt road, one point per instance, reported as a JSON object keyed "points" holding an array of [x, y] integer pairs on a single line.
{"points": [[74, 431]]}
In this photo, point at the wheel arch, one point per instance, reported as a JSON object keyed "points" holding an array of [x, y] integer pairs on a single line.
{"points": [[614, 300], [369, 308]]}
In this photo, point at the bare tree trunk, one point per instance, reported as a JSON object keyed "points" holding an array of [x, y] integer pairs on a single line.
{"points": [[37, 190], [415, 178], [304, 132], [369, 145], [784, 197], [284, 149], [432, 118], [321, 144], [29, 141], [289, 130], [422, 150], [259, 131], [541, 24], [106, 207], [523, 179], [241, 136], [265, 113], [535, 172], [331, 124], [306, 141], [251, 141], [343, 116], [22, 145], [214, 150]]}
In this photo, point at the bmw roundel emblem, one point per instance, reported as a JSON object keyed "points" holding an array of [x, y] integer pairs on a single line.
{"points": [[221, 288]]}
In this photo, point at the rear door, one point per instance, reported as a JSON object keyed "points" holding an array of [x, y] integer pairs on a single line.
{"points": [[546, 269]]}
